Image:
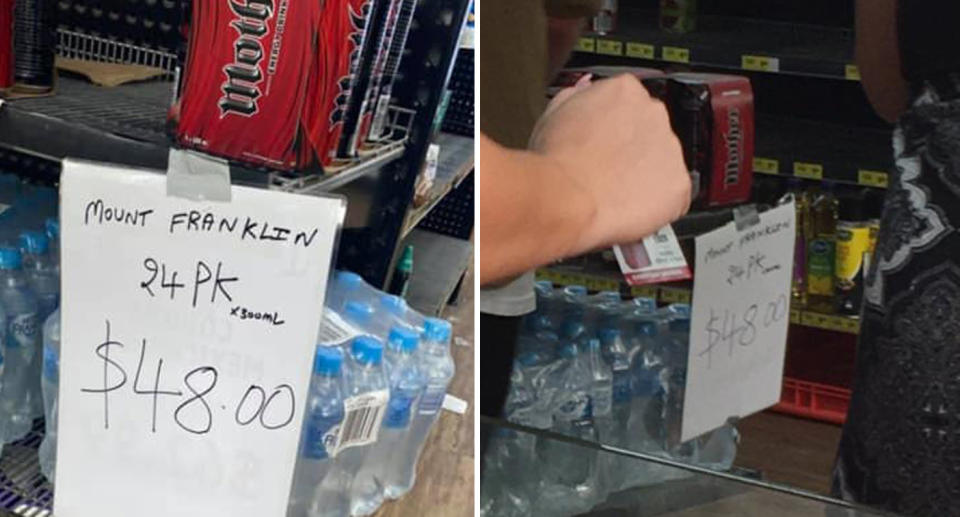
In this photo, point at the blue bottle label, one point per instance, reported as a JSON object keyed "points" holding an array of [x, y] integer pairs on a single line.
{"points": [[51, 364], [432, 399], [22, 330], [398, 410], [320, 437]]}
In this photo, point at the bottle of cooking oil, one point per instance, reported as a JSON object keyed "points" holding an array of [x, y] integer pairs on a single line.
{"points": [[821, 251], [853, 247], [801, 199]]}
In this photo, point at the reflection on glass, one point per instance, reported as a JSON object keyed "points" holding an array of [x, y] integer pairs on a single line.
{"points": [[530, 473]]}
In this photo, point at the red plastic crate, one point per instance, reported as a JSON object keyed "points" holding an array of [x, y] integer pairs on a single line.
{"points": [[814, 401]]}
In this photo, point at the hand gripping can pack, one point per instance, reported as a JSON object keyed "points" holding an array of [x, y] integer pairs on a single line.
{"points": [[655, 81], [344, 27], [713, 116], [245, 86]]}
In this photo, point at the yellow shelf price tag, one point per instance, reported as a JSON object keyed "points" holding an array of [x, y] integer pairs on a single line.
{"points": [[641, 50], [586, 45], [760, 63], [852, 73], [644, 291], [873, 178], [675, 295], [812, 171], [676, 54], [831, 322], [766, 166], [609, 47]]}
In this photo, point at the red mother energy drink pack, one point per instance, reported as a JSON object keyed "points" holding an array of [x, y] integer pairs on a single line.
{"points": [[245, 86], [713, 116]]}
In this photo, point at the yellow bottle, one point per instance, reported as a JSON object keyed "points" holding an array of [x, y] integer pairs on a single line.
{"points": [[821, 251]]}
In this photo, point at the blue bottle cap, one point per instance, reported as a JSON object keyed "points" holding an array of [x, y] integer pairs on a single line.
{"points": [[609, 296], [34, 242], [569, 351], [10, 258], [403, 339], [348, 280], [367, 350], [680, 310], [328, 361], [437, 330], [393, 304], [645, 305], [609, 334], [52, 226], [575, 290], [358, 312], [572, 329]]}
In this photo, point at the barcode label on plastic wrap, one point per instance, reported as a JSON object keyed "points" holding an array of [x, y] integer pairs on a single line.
{"points": [[334, 330], [361, 425]]}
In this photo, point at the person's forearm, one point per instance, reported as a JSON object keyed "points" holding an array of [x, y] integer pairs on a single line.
{"points": [[530, 216], [878, 57]]}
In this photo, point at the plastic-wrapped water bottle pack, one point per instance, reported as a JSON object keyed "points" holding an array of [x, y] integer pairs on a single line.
{"points": [[380, 377], [600, 369]]}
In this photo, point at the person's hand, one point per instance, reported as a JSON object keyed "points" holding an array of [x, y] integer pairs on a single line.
{"points": [[615, 142]]}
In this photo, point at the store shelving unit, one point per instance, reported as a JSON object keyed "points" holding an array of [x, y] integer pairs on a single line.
{"points": [[455, 164]]}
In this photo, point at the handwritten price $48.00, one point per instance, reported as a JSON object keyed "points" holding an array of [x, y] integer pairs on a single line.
{"points": [[730, 329], [195, 414]]}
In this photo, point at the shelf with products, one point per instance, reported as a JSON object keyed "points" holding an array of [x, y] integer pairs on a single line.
{"points": [[454, 164], [731, 43], [126, 124]]}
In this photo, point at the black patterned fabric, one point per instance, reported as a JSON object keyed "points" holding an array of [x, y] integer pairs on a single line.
{"points": [[900, 449]]}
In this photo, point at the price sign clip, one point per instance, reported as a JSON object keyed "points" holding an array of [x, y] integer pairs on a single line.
{"points": [[745, 217], [198, 177]]}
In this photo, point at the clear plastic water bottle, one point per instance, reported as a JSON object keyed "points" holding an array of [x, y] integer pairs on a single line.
{"points": [[366, 380], [392, 311], [321, 423], [569, 473], [41, 270], [21, 347], [52, 228], [50, 382], [436, 363], [613, 430], [676, 354], [406, 383]]}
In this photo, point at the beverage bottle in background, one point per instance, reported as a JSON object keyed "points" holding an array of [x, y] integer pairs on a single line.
{"points": [[321, 423], [605, 21], [821, 251], [406, 383], [605, 417], [874, 209], [50, 382], [853, 245], [52, 228], [365, 395], [401, 275], [569, 473], [436, 363], [675, 373], [799, 285], [21, 346], [42, 271]]}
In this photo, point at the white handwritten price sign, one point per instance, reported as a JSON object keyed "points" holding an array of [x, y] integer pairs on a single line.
{"points": [[738, 331], [188, 337]]}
